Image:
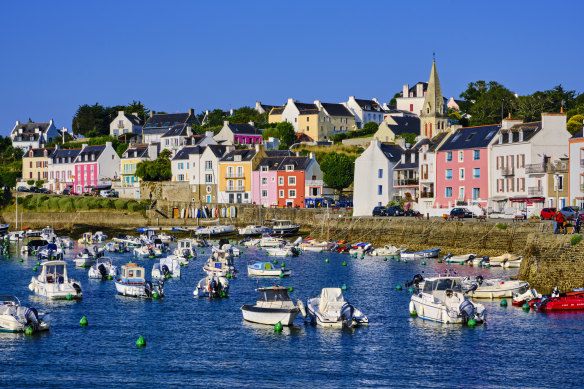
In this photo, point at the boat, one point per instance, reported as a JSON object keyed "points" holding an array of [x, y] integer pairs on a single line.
{"points": [[253, 230], [166, 239], [282, 252], [132, 283], [15, 236], [571, 301], [431, 253], [147, 251], [220, 263], [270, 241], [479, 261], [16, 318], [212, 286], [330, 309], [185, 251], [115, 247], [128, 241], [214, 230], [493, 288], [267, 269], [86, 238], [464, 258], [84, 258], [53, 282], [442, 300], [360, 248], [168, 267], [248, 242], [99, 237], [4, 228], [273, 306], [33, 246], [284, 228], [389, 251], [315, 247], [48, 234], [103, 269], [506, 260], [50, 251], [521, 298], [65, 242]]}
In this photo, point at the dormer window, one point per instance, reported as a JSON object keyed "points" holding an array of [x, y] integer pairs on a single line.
{"points": [[520, 136], [510, 137], [289, 168], [264, 168]]}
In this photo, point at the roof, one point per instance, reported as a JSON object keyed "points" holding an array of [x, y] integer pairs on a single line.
{"points": [[135, 120], [277, 111], [336, 109], [302, 137], [414, 88], [39, 152], [299, 163], [218, 150], [470, 138], [188, 150], [411, 151], [272, 163], [278, 153], [369, 105], [303, 106], [405, 124], [138, 151], [66, 153], [160, 123], [528, 129], [438, 138], [392, 151], [243, 129], [92, 150], [578, 134], [267, 107], [177, 130], [246, 155], [30, 127], [308, 111]]}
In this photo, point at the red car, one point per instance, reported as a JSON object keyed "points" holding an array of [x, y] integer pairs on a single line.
{"points": [[548, 213]]}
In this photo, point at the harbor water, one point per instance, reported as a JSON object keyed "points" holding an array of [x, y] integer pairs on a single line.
{"points": [[205, 343]]}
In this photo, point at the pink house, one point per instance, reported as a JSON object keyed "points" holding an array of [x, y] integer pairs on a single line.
{"points": [[264, 182], [239, 134], [462, 167], [95, 164]]}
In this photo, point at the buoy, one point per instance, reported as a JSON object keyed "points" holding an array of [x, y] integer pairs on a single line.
{"points": [[326, 260], [283, 264], [362, 257], [228, 275], [83, 322], [525, 307], [223, 294], [439, 261], [278, 327], [290, 289], [202, 251], [167, 276], [38, 263], [423, 263], [344, 287], [182, 264], [488, 266], [141, 342], [397, 259], [34, 268], [411, 290], [344, 263], [471, 323], [28, 331], [405, 261], [110, 278], [385, 259], [155, 295], [461, 263], [503, 303], [399, 287], [275, 261], [281, 275], [68, 297], [414, 313], [21, 260]]}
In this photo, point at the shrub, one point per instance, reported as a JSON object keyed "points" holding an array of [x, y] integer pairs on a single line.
{"points": [[66, 204], [501, 226], [44, 205], [83, 204], [94, 203], [575, 239], [133, 206], [39, 183], [106, 203], [54, 203], [121, 204], [38, 201], [30, 182]]}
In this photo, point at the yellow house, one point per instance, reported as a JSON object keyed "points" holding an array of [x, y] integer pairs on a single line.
{"points": [[131, 158], [314, 123], [338, 117], [235, 174], [395, 126], [275, 115], [35, 164]]}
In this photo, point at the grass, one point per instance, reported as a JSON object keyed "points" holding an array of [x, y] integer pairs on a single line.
{"points": [[575, 239], [501, 226], [351, 151]]}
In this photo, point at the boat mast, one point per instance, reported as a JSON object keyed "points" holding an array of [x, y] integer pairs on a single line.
{"points": [[16, 210], [328, 219]]}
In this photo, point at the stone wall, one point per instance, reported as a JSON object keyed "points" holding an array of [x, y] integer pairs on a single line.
{"points": [[176, 191]]}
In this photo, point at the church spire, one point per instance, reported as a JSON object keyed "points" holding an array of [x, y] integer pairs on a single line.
{"points": [[434, 116]]}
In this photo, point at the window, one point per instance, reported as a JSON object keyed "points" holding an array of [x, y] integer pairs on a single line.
{"points": [[461, 173], [208, 178], [208, 165], [558, 182], [476, 172], [230, 171], [476, 155], [291, 180], [476, 193], [521, 160], [289, 168], [307, 128], [264, 169], [379, 189], [264, 193], [380, 173], [292, 193], [449, 156], [449, 174], [448, 192], [264, 181], [500, 185], [461, 193], [470, 136], [281, 193], [460, 156], [280, 181]]}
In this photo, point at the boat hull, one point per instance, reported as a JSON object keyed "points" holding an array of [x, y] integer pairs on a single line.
{"points": [[269, 316], [268, 273]]}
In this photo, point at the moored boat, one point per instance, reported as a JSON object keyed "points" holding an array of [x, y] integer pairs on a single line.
{"points": [[273, 306], [133, 284], [212, 286], [16, 318], [53, 282], [253, 230], [506, 260], [103, 269], [330, 309], [267, 269], [389, 251], [431, 253], [494, 288], [168, 267], [284, 228]]}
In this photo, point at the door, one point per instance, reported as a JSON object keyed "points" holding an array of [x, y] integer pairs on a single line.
{"points": [[231, 198], [208, 198], [239, 198]]}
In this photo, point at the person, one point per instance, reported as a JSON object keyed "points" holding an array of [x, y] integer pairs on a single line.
{"points": [[560, 220], [576, 229]]}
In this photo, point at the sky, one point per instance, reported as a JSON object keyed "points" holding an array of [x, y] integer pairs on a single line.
{"points": [[176, 54]]}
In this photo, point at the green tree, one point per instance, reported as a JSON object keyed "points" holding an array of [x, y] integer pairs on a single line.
{"points": [[575, 124], [393, 101], [270, 133], [137, 107], [121, 149], [338, 170], [492, 101], [286, 133], [246, 115], [370, 127], [409, 137]]}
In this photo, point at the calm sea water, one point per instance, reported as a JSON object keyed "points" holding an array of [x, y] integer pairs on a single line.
{"points": [[203, 343]]}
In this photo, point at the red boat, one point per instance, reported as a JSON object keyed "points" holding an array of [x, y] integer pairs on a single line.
{"points": [[565, 302]]}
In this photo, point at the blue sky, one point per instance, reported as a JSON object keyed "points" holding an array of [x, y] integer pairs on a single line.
{"points": [[175, 55]]}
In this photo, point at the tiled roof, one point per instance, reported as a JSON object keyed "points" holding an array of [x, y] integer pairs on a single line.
{"points": [[244, 129], [30, 127], [177, 130], [336, 109], [405, 124], [392, 152], [218, 150], [65, 153], [246, 155], [188, 150], [38, 152], [299, 163], [369, 105], [277, 111], [470, 138], [92, 150], [272, 163]]}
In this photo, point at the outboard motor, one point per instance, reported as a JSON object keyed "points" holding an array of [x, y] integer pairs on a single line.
{"points": [[479, 279], [77, 289], [473, 287], [150, 252], [556, 292], [32, 317], [160, 287], [467, 310], [295, 252], [542, 302], [102, 271], [347, 314], [415, 281], [148, 288], [165, 270], [484, 260], [222, 242]]}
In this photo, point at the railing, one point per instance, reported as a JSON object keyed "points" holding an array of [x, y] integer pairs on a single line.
{"points": [[507, 171], [405, 182], [234, 175], [535, 168], [427, 195], [557, 167], [534, 191], [234, 189], [315, 183]]}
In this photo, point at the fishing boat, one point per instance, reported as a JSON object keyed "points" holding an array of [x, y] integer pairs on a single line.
{"points": [[431, 253], [16, 318], [50, 251], [273, 306], [147, 251], [389, 251], [212, 286], [284, 228], [493, 288], [506, 260], [220, 263], [214, 230], [316, 247], [185, 251], [360, 248], [103, 269], [282, 252], [133, 284], [442, 300], [168, 267], [128, 241], [115, 247], [53, 282], [48, 234], [86, 238], [33, 246], [464, 258], [330, 309], [267, 269], [253, 230]]}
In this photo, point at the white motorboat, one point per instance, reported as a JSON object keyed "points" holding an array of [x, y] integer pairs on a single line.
{"points": [[115, 247], [99, 237], [33, 246], [168, 267], [15, 236], [273, 306], [65, 242], [360, 249], [389, 251], [431, 253], [251, 242], [493, 288], [506, 260], [86, 238], [147, 251], [331, 310], [185, 251], [270, 241], [84, 258], [315, 247], [479, 261], [267, 269], [442, 300], [220, 263], [464, 258], [212, 286], [282, 252], [133, 284], [17, 318], [253, 230], [166, 239], [48, 234], [214, 230], [103, 269], [231, 249], [53, 282], [284, 228], [49, 252], [128, 241], [521, 298]]}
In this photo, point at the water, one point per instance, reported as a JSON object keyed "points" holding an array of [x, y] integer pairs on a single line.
{"points": [[203, 343]]}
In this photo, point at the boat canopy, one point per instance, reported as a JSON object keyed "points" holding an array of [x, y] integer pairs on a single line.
{"points": [[273, 294], [442, 284], [330, 295], [132, 273], [54, 271], [262, 266], [51, 246], [4, 300]]}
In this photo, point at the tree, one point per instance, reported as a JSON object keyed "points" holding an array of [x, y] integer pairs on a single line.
{"points": [[575, 124], [286, 133], [393, 101], [370, 127], [157, 170], [137, 107], [409, 137], [121, 149], [270, 133], [488, 102], [246, 115], [338, 170]]}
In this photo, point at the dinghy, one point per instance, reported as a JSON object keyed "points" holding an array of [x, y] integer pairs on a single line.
{"points": [[330, 309]]}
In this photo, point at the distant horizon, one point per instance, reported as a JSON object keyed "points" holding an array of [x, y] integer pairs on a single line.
{"points": [[183, 55]]}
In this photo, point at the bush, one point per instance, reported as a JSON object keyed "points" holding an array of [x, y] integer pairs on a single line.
{"points": [[575, 239], [38, 201], [94, 203], [106, 203], [133, 206], [82, 203], [54, 203], [501, 226], [121, 204], [66, 204], [39, 183], [30, 182]]}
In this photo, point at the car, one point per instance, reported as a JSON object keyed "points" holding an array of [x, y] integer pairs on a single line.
{"points": [[379, 211], [461, 212], [547, 213], [34, 189], [395, 211], [66, 192], [43, 191], [22, 189], [569, 212]]}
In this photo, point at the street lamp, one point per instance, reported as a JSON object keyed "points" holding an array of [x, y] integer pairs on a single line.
{"points": [[557, 187]]}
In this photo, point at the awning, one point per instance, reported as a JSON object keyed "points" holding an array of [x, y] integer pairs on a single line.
{"points": [[100, 187], [525, 199]]}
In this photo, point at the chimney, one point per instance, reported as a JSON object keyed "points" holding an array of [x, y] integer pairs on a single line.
{"points": [[108, 144], [251, 123], [311, 156], [152, 152], [290, 101], [191, 111], [121, 113], [553, 121], [405, 90], [151, 113], [225, 122], [209, 134], [17, 122], [419, 90], [317, 103], [508, 123], [401, 142], [298, 153]]}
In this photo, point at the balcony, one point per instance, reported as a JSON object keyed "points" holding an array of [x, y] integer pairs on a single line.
{"points": [[234, 175], [314, 183], [535, 191], [405, 182], [507, 171], [234, 189], [427, 195], [535, 168]]}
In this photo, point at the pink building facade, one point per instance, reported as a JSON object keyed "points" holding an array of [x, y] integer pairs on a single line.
{"points": [[264, 182], [93, 165]]}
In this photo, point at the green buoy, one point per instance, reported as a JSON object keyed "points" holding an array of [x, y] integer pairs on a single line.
{"points": [[110, 278], [141, 342], [471, 323], [267, 253], [439, 261], [228, 275], [397, 259], [83, 322], [68, 297], [21, 260], [461, 263], [278, 327], [344, 263], [488, 265], [423, 263], [414, 313], [362, 257], [411, 290], [405, 261], [155, 295], [167, 276], [503, 303], [28, 331], [34, 268], [326, 260], [283, 264], [275, 261], [385, 259], [344, 287], [281, 275], [525, 307], [182, 264], [38, 263], [202, 251], [399, 287], [290, 289]]}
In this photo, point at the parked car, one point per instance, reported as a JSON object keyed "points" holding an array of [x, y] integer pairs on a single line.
{"points": [[395, 211], [379, 211], [22, 189], [547, 213], [461, 212], [43, 190], [569, 212], [108, 193], [66, 192]]}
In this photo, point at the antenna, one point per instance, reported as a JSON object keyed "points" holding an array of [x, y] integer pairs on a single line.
{"points": [[433, 56]]}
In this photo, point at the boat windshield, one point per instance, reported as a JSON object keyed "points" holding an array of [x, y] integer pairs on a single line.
{"points": [[443, 284], [6, 300], [273, 295]]}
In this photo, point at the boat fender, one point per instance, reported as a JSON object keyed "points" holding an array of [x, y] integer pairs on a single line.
{"points": [[148, 288], [77, 289]]}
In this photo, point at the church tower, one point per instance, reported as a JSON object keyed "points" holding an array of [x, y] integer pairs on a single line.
{"points": [[434, 117]]}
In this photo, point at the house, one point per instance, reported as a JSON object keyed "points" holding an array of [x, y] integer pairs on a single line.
{"points": [[338, 118], [373, 182], [135, 154], [202, 139], [33, 135], [176, 137], [239, 134], [406, 173], [126, 124], [412, 99], [298, 177], [264, 182], [454, 104], [427, 173], [434, 116], [576, 154], [462, 167], [158, 124], [275, 115], [235, 174], [396, 126], [264, 108], [293, 109], [35, 164], [62, 169], [521, 158], [365, 111], [206, 190], [313, 123], [95, 167], [185, 166]]}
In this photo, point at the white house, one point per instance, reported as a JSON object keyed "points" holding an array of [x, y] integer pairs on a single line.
{"points": [[185, 164], [62, 169], [373, 182], [159, 124], [124, 124], [412, 99], [209, 172], [176, 138], [365, 111], [577, 169], [293, 109], [33, 135]]}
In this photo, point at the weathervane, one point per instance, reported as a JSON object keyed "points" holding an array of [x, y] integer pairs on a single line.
{"points": [[434, 56]]}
